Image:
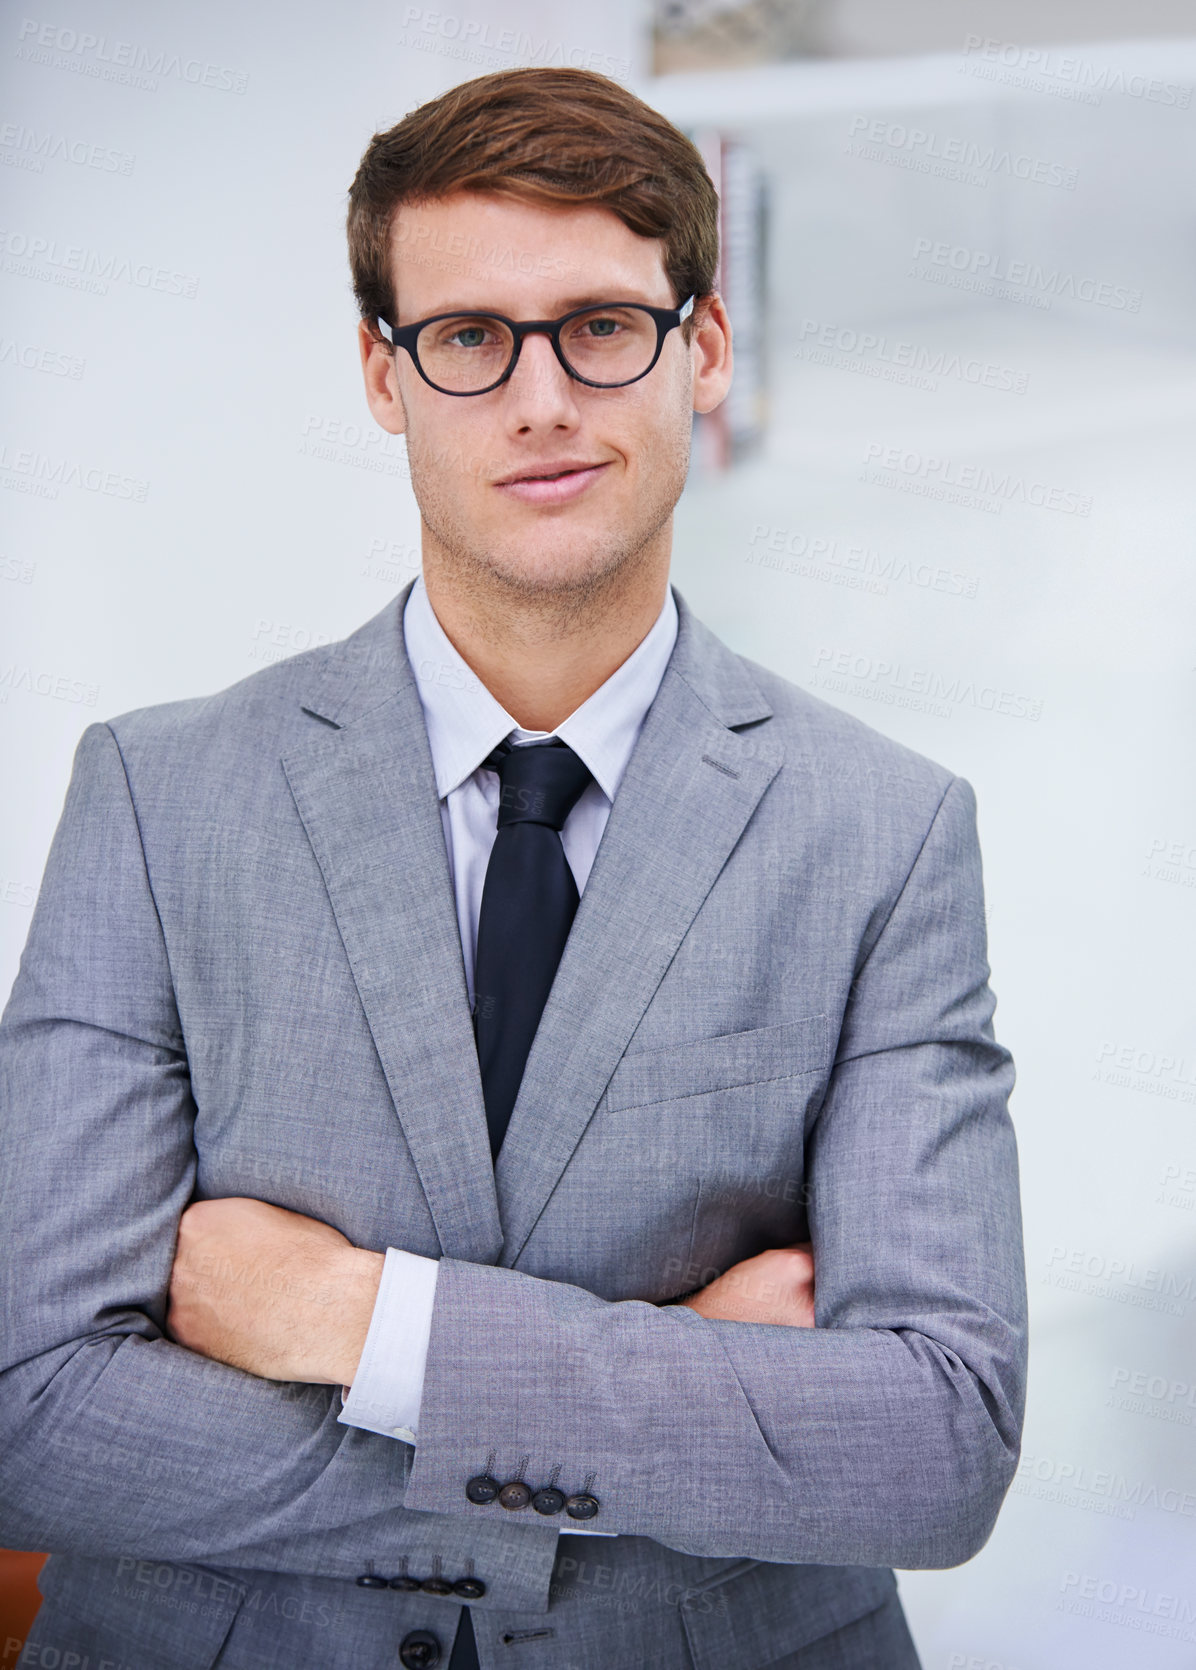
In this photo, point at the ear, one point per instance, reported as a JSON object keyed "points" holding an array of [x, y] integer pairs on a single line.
{"points": [[710, 348], [379, 368]]}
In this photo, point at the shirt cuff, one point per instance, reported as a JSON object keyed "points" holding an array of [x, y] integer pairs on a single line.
{"points": [[388, 1387]]}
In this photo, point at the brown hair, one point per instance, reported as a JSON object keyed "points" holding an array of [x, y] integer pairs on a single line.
{"points": [[563, 136]]}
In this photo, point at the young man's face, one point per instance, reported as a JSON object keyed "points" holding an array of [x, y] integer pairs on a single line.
{"points": [[629, 446]]}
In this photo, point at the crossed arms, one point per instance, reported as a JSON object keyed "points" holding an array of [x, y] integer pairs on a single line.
{"points": [[885, 1435], [289, 1298]]}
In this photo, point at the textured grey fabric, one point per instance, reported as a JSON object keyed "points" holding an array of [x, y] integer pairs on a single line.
{"points": [[626, 1603], [771, 1020], [880, 1638]]}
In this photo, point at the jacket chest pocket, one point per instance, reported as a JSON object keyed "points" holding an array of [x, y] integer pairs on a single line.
{"points": [[704, 1065]]}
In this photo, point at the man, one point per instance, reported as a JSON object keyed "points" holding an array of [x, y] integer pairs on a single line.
{"points": [[436, 1057]]}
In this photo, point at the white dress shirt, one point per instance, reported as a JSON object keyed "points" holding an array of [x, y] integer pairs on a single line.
{"points": [[465, 723]]}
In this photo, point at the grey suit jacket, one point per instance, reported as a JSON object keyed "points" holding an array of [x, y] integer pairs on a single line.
{"points": [[771, 1021]]}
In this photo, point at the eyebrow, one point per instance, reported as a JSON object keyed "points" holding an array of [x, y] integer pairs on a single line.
{"points": [[598, 298]]}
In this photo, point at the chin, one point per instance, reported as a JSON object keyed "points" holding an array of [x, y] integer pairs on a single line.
{"points": [[558, 560]]}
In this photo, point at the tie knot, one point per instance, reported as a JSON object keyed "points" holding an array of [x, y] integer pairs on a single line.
{"points": [[539, 783]]}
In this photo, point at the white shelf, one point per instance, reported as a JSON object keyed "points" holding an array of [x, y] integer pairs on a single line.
{"points": [[790, 92]]}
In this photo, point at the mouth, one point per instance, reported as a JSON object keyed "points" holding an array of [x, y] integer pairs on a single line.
{"points": [[571, 469], [552, 486]]}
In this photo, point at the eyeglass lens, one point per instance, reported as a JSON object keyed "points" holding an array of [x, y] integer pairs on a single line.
{"points": [[472, 350]]}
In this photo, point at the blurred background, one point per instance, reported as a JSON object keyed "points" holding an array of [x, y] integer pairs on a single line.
{"points": [[949, 494]]}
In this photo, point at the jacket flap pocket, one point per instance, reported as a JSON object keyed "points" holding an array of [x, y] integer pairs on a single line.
{"points": [[731, 1058]]}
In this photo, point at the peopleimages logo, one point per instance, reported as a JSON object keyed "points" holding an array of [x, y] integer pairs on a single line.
{"points": [[23, 147], [922, 688], [80, 268], [125, 62], [1103, 1276], [976, 485], [61, 686], [1155, 1072], [1048, 71], [1132, 1606], [1162, 1391], [33, 358], [791, 551], [25, 470], [1098, 1489], [431, 30], [897, 359], [989, 273], [951, 156]]}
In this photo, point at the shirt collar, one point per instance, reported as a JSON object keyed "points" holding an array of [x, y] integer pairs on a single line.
{"points": [[466, 723]]}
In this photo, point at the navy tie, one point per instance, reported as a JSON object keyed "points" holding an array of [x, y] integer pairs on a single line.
{"points": [[528, 903]]}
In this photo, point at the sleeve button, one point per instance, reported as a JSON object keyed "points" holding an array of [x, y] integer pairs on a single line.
{"points": [[420, 1650]]}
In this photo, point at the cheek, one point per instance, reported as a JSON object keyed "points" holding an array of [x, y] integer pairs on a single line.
{"points": [[451, 454], [653, 433]]}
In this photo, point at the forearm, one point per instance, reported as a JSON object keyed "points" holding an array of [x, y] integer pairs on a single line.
{"points": [[131, 1445], [865, 1446]]}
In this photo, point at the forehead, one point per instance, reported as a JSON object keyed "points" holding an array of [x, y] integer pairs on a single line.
{"points": [[528, 260]]}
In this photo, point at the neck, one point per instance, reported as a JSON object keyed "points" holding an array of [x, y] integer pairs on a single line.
{"points": [[542, 654]]}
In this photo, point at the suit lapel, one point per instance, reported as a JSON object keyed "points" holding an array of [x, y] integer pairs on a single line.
{"points": [[690, 787], [365, 789]]}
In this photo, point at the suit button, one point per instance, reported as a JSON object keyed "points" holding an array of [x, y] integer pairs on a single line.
{"points": [[514, 1495], [482, 1488], [436, 1586], [371, 1580], [471, 1588], [406, 1583], [582, 1506], [420, 1650], [548, 1500]]}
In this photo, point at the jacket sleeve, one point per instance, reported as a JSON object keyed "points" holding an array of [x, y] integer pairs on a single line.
{"points": [[887, 1434], [114, 1439]]}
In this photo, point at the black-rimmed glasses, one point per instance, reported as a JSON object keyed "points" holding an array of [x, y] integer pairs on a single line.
{"points": [[605, 346]]}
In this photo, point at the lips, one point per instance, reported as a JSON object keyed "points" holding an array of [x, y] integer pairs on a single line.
{"points": [[554, 485], [550, 472]]}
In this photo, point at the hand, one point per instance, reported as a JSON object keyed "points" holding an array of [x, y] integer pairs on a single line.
{"points": [[279, 1294], [775, 1286]]}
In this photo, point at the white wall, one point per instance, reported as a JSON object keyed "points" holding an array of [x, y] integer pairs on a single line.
{"points": [[266, 511], [1074, 614], [212, 495]]}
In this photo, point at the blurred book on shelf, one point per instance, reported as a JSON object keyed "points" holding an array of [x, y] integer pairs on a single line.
{"points": [[734, 429], [715, 35], [707, 35]]}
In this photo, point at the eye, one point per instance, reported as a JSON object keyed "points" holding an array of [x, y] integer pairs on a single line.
{"points": [[602, 327], [468, 336]]}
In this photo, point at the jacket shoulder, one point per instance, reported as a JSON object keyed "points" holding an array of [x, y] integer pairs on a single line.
{"points": [[276, 688], [825, 743]]}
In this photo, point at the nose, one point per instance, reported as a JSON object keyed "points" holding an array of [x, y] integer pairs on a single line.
{"points": [[540, 392]]}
